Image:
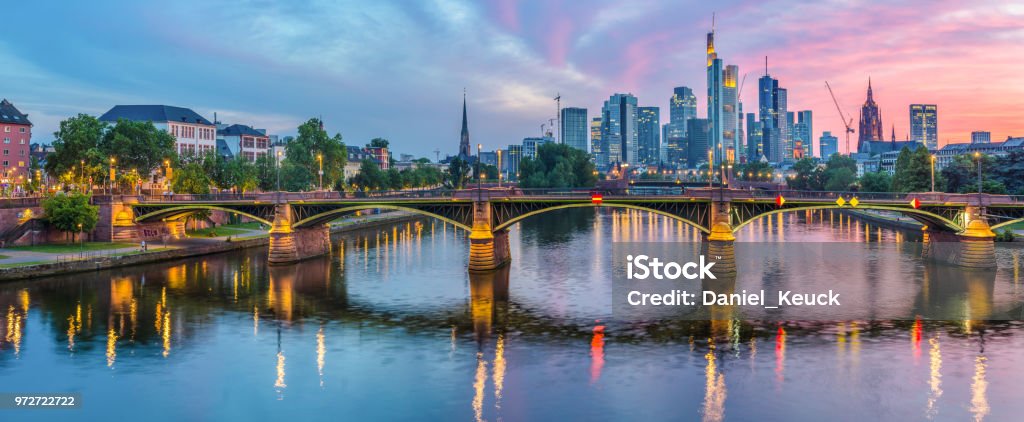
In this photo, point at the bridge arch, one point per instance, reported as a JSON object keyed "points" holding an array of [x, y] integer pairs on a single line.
{"points": [[178, 212], [929, 219], [516, 219], [335, 213], [1006, 223]]}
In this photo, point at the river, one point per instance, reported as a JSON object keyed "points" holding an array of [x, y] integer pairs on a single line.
{"points": [[391, 326]]}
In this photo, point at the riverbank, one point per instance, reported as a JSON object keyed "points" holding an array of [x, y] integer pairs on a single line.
{"points": [[189, 247], [893, 222]]}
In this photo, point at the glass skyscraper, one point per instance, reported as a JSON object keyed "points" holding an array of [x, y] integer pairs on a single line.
{"points": [[697, 139], [515, 155], [682, 107], [618, 128], [772, 113], [828, 145], [648, 124], [924, 125], [574, 127], [598, 148]]}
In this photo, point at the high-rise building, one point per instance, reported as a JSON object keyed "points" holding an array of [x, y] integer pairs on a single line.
{"points": [[530, 145], [618, 127], [803, 135], [648, 124], [870, 121], [697, 136], [598, 147], [828, 145], [754, 149], [682, 107], [722, 107], [981, 137], [574, 127], [924, 125], [17, 140], [741, 135], [772, 113], [515, 155]]}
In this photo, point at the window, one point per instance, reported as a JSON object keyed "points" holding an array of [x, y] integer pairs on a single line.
{"points": [[7, 140], [7, 129], [22, 141], [21, 164], [22, 130], [5, 163], [7, 152]]}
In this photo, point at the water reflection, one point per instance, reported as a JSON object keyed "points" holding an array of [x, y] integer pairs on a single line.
{"points": [[404, 321]]}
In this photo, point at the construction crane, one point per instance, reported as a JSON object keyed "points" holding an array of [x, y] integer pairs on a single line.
{"points": [[849, 128], [437, 155]]}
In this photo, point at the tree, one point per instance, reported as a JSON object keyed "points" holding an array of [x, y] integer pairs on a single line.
{"points": [[558, 166], [840, 172], [77, 141], [879, 181], [393, 179], [1008, 170], [378, 143], [137, 146], [808, 175], [71, 213], [458, 173], [191, 176], [266, 172], [369, 176], [304, 150], [296, 178], [755, 171], [913, 170]]}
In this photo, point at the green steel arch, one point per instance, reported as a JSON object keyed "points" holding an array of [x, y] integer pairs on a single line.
{"points": [[518, 218], [923, 217], [183, 210], [335, 213]]}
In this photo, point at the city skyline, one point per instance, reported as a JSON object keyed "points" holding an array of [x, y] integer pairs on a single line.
{"points": [[366, 67]]}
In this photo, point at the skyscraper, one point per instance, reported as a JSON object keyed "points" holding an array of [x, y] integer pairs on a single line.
{"points": [[772, 113], [730, 110], [618, 127], [754, 149], [648, 124], [598, 148], [697, 137], [682, 107], [722, 107], [464, 150], [574, 127], [515, 155], [803, 135], [828, 145], [924, 125], [870, 121]]}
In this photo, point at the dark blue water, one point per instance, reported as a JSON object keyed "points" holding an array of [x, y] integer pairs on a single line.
{"points": [[391, 326]]}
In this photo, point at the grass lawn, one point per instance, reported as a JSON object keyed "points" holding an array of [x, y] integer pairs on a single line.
{"points": [[225, 230], [21, 264], [74, 247], [1016, 226], [4, 257]]}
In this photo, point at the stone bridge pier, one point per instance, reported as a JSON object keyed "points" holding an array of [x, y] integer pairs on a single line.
{"points": [[719, 245], [488, 249], [289, 244], [972, 248]]}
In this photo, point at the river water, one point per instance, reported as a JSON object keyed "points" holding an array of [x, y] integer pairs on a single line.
{"points": [[391, 326]]}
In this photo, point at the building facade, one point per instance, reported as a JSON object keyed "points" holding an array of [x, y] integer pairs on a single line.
{"points": [[17, 139], [754, 148], [924, 124], [827, 145], [598, 150], [722, 104], [515, 155], [194, 135], [574, 127], [698, 142], [682, 107], [981, 137], [803, 135], [618, 129], [244, 142], [648, 135], [772, 112]]}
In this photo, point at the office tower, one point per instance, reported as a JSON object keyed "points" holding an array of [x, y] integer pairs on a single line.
{"points": [[618, 127], [648, 134], [682, 107], [772, 112], [741, 135], [532, 144], [515, 155], [730, 111], [754, 149], [574, 127], [802, 133], [722, 107], [870, 121], [697, 136], [828, 145], [786, 139], [598, 146], [924, 125], [981, 137]]}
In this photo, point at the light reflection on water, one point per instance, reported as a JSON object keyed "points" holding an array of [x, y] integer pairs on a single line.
{"points": [[391, 326]]}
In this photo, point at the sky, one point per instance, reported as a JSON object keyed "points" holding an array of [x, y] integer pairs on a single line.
{"points": [[398, 69]]}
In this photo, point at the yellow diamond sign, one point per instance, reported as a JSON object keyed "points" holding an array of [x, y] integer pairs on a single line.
{"points": [[841, 201], [854, 202]]}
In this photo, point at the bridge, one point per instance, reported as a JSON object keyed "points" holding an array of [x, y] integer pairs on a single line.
{"points": [[958, 227]]}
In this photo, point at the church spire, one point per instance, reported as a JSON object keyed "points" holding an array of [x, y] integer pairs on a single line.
{"points": [[464, 142], [871, 97]]}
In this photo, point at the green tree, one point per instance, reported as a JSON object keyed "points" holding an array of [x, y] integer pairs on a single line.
{"points": [[369, 177], [297, 178], [913, 171], [306, 151], [808, 175], [378, 143], [266, 172], [878, 181], [77, 141], [1008, 170], [840, 173], [557, 166], [138, 146], [71, 213], [458, 173], [191, 176], [754, 171], [393, 179]]}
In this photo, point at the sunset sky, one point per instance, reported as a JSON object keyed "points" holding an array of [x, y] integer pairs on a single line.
{"points": [[397, 69]]}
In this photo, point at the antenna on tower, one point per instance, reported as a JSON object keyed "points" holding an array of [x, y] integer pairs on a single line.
{"points": [[712, 22], [437, 155], [765, 65]]}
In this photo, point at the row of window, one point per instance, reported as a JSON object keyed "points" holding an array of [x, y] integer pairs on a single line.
{"points": [[8, 163], [21, 142], [261, 143], [8, 152], [180, 131], [7, 129], [191, 149]]}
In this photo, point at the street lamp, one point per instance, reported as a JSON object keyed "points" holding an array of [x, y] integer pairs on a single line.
{"points": [[320, 159], [499, 168], [710, 176], [479, 192], [81, 241], [933, 172], [83, 173], [279, 171], [977, 156], [112, 174]]}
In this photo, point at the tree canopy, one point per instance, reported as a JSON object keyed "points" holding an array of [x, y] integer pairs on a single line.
{"points": [[305, 152], [557, 166], [71, 213]]}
